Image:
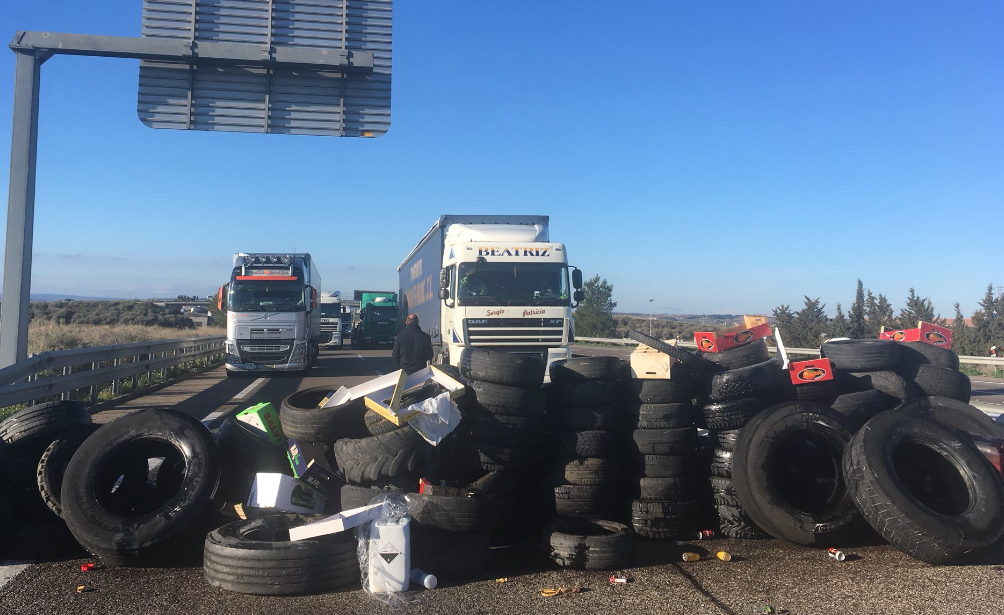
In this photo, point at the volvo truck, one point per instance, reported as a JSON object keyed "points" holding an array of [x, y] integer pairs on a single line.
{"points": [[273, 323], [331, 320], [491, 281]]}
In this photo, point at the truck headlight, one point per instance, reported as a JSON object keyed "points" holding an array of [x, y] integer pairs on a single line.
{"points": [[299, 351]]}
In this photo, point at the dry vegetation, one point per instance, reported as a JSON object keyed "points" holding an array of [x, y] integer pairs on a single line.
{"points": [[43, 336]]}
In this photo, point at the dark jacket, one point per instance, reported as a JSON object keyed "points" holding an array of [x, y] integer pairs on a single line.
{"points": [[412, 348]]}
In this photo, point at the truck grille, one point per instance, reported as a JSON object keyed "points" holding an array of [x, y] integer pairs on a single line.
{"points": [[514, 331], [266, 353]]}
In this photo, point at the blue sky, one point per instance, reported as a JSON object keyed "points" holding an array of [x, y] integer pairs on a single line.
{"points": [[713, 156]]}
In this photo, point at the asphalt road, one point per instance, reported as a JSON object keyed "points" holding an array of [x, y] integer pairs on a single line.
{"points": [[875, 578]]}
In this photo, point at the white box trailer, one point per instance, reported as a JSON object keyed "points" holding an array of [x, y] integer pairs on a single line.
{"points": [[491, 281]]}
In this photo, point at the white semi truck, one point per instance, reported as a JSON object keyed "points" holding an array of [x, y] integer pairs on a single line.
{"points": [[491, 281], [273, 323], [331, 320]]}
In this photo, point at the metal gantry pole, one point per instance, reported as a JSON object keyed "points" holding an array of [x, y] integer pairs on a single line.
{"points": [[20, 211]]}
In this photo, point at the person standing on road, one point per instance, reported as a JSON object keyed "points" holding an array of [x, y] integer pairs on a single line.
{"points": [[412, 346]]}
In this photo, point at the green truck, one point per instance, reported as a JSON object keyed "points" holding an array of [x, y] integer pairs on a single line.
{"points": [[378, 318]]}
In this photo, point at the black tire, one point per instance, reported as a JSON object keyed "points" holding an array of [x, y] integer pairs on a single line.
{"points": [[677, 489], [160, 523], [433, 512], [503, 429], [809, 391], [574, 500], [591, 443], [243, 454], [937, 381], [733, 522], [787, 474], [861, 406], [721, 463], [925, 488], [694, 363], [663, 520], [587, 368], [584, 544], [500, 367], [585, 471], [662, 466], [52, 465], [581, 393], [748, 381], [725, 439], [377, 425], [582, 418], [890, 383], [915, 354], [500, 457], [681, 441], [679, 389], [740, 356], [451, 556], [732, 414], [401, 452], [303, 421], [43, 422], [660, 416], [257, 557], [957, 415], [503, 399], [861, 355]]}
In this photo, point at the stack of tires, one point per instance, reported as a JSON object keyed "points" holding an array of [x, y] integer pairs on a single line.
{"points": [[661, 455], [584, 412], [498, 440], [746, 382]]}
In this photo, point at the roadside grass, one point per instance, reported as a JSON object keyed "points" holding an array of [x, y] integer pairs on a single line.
{"points": [[987, 371], [46, 336]]}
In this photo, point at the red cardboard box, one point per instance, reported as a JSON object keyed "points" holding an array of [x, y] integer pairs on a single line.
{"points": [[815, 370], [709, 341], [925, 332]]}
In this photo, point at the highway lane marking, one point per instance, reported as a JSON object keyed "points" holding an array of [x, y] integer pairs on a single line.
{"points": [[212, 416], [250, 389], [361, 357], [10, 569]]}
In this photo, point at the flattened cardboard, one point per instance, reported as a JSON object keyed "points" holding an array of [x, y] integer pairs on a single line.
{"points": [[307, 461], [710, 341], [925, 332], [815, 370], [383, 395], [340, 522], [264, 419], [284, 493], [647, 362]]}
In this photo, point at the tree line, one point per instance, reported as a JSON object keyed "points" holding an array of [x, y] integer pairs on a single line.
{"points": [[809, 326]]}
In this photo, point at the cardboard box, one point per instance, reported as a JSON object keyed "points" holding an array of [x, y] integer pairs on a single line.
{"points": [[647, 362], [383, 395], [340, 522], [815, 370], [284, 493], [309, 467], [265, 419], [709, 341], [925, 332]]}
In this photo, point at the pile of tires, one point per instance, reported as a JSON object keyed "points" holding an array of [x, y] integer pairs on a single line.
{"points": [[745, 382], [584, 411], [661, 455]]}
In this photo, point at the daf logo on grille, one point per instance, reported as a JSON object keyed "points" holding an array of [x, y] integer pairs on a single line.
{"points": [[478, 321]]}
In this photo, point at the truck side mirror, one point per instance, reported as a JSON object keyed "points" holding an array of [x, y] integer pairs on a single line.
{"points": [[579, 295], [220, 298], [445, 277], [577, 281], [313, 298], [444, 293]]}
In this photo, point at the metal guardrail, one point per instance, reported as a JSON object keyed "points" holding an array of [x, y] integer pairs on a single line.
{"points": [[997, 361], [82, 368]]}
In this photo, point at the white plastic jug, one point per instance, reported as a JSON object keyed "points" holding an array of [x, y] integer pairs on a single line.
{"points": [[390, 556]]}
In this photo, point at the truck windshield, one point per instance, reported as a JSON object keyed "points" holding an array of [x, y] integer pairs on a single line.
{"points": [[331, 310], [388, 313], [512, 284], [266, 296]]}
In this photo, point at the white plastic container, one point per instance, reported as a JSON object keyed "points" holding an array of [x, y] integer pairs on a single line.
{"points": [[389, 556]]}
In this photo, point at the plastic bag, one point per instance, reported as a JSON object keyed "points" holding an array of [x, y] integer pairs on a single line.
{"points": [[384, 552], [439, 416]]}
